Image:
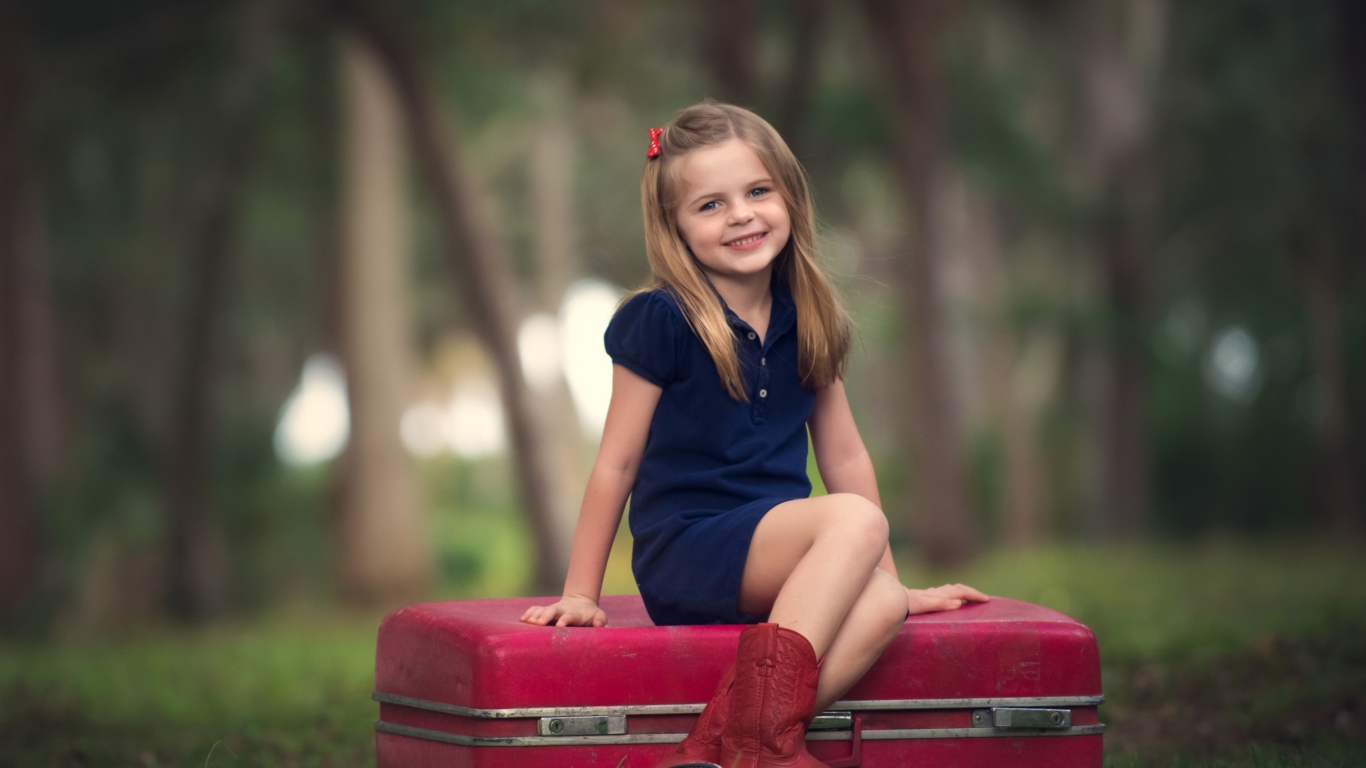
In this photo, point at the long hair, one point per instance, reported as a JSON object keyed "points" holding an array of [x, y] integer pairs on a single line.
{"points": [[822, 321]]}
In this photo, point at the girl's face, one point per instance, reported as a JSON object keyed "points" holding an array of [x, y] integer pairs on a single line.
{"points": [[732, 217]]}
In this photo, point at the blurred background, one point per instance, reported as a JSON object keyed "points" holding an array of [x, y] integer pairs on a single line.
{"points": [[302, 302]]}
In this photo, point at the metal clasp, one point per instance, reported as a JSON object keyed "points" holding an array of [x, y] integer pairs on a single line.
{"points": [[832, 721], [1022, 717], [587, 725]]}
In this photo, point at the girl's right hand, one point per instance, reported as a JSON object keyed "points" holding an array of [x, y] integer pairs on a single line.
{"points": [[568, 612]]}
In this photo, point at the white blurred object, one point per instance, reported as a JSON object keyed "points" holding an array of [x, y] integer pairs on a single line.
{"points": [[315, 421], [1233, 365], [538, 346], [584, 314], [474, 420], [425, 428]]}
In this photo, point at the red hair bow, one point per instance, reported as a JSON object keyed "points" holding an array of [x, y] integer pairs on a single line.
{"points": [[655, 133]]}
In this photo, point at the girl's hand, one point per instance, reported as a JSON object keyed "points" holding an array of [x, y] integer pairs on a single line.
{"points": [[945, 598], [568, 612]]}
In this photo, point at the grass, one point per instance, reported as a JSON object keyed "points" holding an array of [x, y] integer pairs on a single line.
{"points": [[1216, 654], [279, 692]]}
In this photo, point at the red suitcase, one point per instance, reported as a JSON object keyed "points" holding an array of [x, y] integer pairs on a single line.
{"points": [[466, 683]]}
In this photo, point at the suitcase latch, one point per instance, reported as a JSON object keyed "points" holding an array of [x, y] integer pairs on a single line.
{"points": [[1022, 717], [832, 721], [586, 725]]}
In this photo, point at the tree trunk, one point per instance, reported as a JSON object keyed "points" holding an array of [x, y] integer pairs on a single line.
{"points": [[383, 553], [475, 251], [556, 233], [1337, 490], [730, 31], [21, 541], [1120, 44], [196, 564], [1352, 23], [1009, 389], [795, 100], [904, 36]]}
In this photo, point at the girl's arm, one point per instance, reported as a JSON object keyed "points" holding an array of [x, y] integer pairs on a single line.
{"points": [[842, 459], [845, 467], [614, 472]]}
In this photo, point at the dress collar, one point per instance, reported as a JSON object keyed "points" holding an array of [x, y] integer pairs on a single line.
{"points": [[781, 316]]}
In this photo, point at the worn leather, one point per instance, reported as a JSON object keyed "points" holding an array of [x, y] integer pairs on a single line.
{"points": [[772, 701], [703, 743]]}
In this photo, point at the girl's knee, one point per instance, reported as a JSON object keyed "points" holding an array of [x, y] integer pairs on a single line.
{"points": [[858, 517]]}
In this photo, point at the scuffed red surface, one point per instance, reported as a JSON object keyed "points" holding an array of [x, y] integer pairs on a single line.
{"points": [[476, 653]]}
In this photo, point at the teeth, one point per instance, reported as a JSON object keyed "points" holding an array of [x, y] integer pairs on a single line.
{"points": [[746, 241]]}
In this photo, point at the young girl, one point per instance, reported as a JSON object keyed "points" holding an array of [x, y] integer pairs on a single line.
{"points": [[720, 368]]}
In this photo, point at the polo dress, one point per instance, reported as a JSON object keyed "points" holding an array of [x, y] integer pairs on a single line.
{"points": [[712, 466]]}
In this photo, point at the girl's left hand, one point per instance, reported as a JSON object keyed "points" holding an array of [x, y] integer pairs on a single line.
{"points": [[945, 598]]}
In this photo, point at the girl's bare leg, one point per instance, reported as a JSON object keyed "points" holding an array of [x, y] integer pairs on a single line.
{"points": [[869, 628], [809, 564]]}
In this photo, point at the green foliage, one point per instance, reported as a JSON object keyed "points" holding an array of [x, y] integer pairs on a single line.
{"points": [[1168, 601]]}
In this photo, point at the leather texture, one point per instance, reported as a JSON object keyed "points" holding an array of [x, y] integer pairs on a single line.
{"points": [[703, 743], [772, 700]]}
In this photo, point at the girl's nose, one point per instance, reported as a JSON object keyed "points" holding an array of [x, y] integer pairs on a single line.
{"points": [[741, 213]]}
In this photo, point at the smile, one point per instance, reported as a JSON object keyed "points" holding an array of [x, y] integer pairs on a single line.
{"points": [[747, 242]]}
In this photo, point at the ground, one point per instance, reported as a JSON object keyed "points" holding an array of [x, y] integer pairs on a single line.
{"points": [[1213, 654]]}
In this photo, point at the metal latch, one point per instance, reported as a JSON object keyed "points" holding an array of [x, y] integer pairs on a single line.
{"points": [[1022, 717], [832, 721], [587, 725]]}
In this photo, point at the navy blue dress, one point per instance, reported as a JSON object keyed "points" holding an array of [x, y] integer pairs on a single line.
{"points": [[712, 466]]}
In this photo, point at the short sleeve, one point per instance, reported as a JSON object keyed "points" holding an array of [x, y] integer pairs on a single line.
{"points": [[644, 336]]}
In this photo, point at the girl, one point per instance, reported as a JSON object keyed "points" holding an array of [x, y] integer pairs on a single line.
{"points": [[720, 368]]}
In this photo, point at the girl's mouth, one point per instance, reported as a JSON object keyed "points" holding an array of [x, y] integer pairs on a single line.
{"points": [[748, 242]]}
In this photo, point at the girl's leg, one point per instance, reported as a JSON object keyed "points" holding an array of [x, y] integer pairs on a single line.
{"points": [[869, 628], [809, 563]]}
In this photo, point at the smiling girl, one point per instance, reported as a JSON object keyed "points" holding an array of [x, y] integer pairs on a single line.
{"points": [[721, 367]]}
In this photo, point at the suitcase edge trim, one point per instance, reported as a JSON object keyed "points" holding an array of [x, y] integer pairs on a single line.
{"points": [[691, 709], [463, 740]]}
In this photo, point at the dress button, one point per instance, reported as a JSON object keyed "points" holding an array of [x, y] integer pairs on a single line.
{"points": [[763, 361], [763, 393], [753, 335]]}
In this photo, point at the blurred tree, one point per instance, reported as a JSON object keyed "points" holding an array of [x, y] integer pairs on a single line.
{"points": [[1336, 482], [904, 37], [383, 552], [27, 391], [729, 53], [196, 562], [1328, 273], [475, 250], [800, 86], [1352, 26], [559, 261], [1119, 49]]}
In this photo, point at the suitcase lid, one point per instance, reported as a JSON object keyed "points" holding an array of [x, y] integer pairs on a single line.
{"points": [[478, 655]]}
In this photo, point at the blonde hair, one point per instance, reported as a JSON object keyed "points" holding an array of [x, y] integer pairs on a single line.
{"points": [[822, 321]]}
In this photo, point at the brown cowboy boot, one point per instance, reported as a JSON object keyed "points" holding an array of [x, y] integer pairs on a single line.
{"points": [[703, 743], [772, 701]]}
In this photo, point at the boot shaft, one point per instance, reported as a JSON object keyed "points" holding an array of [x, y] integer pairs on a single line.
{"points": [[774, 694]]}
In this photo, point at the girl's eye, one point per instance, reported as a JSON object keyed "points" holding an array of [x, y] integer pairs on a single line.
{"points": [[707, 206]]}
